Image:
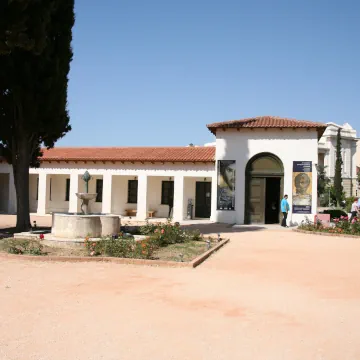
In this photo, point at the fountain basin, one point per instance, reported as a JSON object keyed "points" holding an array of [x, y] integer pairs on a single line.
{"points": [[75, 226], [85, 198]]}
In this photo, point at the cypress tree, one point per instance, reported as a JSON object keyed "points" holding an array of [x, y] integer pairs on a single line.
{"points": [[338, 170], [24, 24], [33, 89]]}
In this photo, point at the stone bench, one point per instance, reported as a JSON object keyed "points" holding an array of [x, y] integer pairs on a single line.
{"points": [[130, 212]]}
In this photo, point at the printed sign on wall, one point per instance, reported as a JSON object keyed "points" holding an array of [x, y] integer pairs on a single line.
{"points": [[302, 187], [226, 185]]}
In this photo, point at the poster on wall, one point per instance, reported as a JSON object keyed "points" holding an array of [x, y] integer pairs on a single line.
{"points": [[302, 187], [226, 185]]}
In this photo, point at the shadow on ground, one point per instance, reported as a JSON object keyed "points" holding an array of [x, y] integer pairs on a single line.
{"points": [[10, 231], [219, 228]]}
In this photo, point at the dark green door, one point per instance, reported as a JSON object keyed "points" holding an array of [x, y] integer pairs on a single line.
{"points": [[203, 199]]}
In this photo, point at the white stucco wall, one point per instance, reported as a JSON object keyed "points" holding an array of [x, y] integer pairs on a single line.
{"points": [[190, 191], [120, 195], [57, 203], [4, 192], [154, 196], [33, 180], [6, 170], [115, 179], [95, 206], [288, 145], [327, 145]]}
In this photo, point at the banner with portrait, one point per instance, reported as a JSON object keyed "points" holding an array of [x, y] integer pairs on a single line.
{"points": [[226, 185], [302, 187]]}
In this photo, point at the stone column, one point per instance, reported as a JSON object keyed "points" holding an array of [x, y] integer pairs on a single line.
{"points": [[74, 188], [107, 193], [178, 211], [42, 195], [142, 198]]}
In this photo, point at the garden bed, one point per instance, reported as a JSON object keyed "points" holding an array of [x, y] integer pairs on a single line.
{"points": [[175, 252], [194, 254], [164, 244], [342, 226]]}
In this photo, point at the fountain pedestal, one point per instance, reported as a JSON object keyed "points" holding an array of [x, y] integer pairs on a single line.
{"points": [[85, 198]]}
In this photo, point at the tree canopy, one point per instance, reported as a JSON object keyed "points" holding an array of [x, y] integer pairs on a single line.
{"points": [[34, 71], [323, 181], [338, 170], [24, 24]]}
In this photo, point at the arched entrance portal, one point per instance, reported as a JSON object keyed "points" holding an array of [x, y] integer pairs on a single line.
{"points": [[263, 189]]}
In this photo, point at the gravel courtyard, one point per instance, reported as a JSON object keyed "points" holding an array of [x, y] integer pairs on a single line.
{"points": [[267, 295]]}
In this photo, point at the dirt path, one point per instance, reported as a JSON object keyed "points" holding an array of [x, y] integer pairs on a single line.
{"points": [[267, 295]]}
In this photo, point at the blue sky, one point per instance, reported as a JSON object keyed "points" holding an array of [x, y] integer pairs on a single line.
{"points": [[156, 72]]}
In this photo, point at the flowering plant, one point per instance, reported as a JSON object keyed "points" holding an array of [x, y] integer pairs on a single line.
{"points": [[169, 233], [121, 246], [342, 225]]}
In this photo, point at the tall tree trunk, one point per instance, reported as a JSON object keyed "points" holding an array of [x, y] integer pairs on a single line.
{"points": [[21, 165]]}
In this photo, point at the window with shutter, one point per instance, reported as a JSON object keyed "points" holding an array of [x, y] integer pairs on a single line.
{"points": [[167, 193], [99, 190], [132, 191]]}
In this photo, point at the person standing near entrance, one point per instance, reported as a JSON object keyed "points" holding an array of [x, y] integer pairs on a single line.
{"points": [[354, 209], [285, 207]]}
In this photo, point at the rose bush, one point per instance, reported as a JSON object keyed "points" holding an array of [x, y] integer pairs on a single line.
{"points": [[342, 225], [121, 246], [169, 233]]}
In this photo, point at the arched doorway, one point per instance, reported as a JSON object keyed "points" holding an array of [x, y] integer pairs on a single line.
{"points": [[263, 189]]}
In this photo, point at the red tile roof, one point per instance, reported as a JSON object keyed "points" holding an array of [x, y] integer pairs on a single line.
{"points": [[142, 154], [267, 122]]}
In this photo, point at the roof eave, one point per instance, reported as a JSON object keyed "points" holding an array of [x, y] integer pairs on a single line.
{"points": [[320, 129], [42, 159]]}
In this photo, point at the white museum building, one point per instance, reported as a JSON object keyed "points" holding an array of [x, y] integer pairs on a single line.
{"points": [[327, 155], [239, 179]]}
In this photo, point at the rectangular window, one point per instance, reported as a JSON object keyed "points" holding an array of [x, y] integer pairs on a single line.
{"points": [[132, 191], [67, 190], [37, 188], [167, 193], [99, 190], [50, 190]]}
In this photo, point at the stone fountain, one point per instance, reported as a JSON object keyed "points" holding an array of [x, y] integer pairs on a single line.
{"points": [[86, 196], [80, 225]]}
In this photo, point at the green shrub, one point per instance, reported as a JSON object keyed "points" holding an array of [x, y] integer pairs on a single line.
{"points": [[335, 213], [349, 201], [194, 235], [342, 226], [148, 228], [169, 233], [15, 250], [309, 225], [124, 247], [19, 247], [36, 249]]}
